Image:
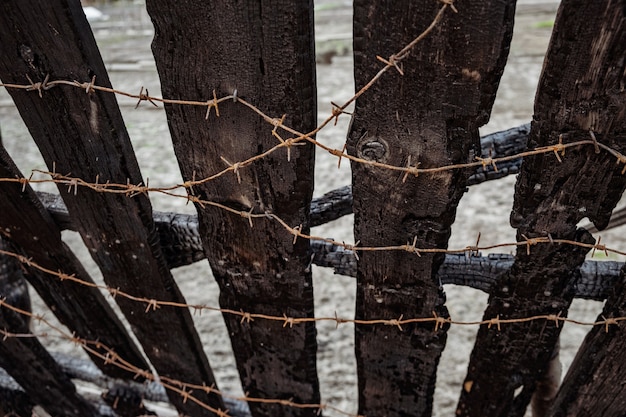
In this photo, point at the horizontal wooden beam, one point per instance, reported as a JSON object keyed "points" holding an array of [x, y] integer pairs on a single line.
{"points": [[181, 244]]}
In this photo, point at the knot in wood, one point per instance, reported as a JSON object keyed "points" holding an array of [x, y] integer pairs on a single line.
{"points": [[373, 149]]}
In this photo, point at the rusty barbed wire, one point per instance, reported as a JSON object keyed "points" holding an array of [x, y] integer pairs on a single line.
{"points": [[248, 317], [131, 190], [184, 389], [337, 111]]}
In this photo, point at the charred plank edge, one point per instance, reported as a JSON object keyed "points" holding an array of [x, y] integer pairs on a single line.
{"points": [[180, 239]]}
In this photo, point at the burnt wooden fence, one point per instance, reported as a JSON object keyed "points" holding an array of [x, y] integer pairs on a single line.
{"points": [[421, 113]]}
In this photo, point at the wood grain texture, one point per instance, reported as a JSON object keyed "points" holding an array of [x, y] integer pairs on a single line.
{"points": [[429, 116], [581, 90], [84, 134], [264, 51]]}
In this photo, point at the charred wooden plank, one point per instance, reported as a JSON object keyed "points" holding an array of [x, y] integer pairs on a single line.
{"points": [[331, 206], [15, 402], [263, 51], [29, 227], [580, 90], [497, 145], [84, 134], [428, 116]]}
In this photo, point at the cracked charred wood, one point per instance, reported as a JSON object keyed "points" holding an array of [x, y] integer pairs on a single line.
{"points": [[264, 52], [578, 93], [429, 116], [83, 133], [594, 383]]}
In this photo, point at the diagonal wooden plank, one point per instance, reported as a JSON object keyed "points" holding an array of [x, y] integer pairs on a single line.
{"points": [[428, 116], [581, 90], [83, 133], [84, 310], [264, 51]]}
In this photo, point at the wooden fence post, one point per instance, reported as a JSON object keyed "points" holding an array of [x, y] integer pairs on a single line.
{"points": [[262, 52], [427, 116], [80, 132], [580, 97]]}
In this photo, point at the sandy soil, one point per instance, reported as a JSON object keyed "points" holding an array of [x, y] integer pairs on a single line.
{"points": [[125, 44]]}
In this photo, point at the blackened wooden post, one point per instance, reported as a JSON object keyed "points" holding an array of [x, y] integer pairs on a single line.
{"points": [[81, 132], [428, 117], [84, 310], [263, 51], [580, 97]]}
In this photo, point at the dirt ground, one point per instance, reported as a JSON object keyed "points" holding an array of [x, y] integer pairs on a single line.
{"points": [[125, 38]]}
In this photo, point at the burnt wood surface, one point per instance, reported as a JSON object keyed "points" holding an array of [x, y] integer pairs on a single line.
{"points": [[581, 90], [83, 309], [428, 116], [13, 286], [83, 133], [263, 51]]}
